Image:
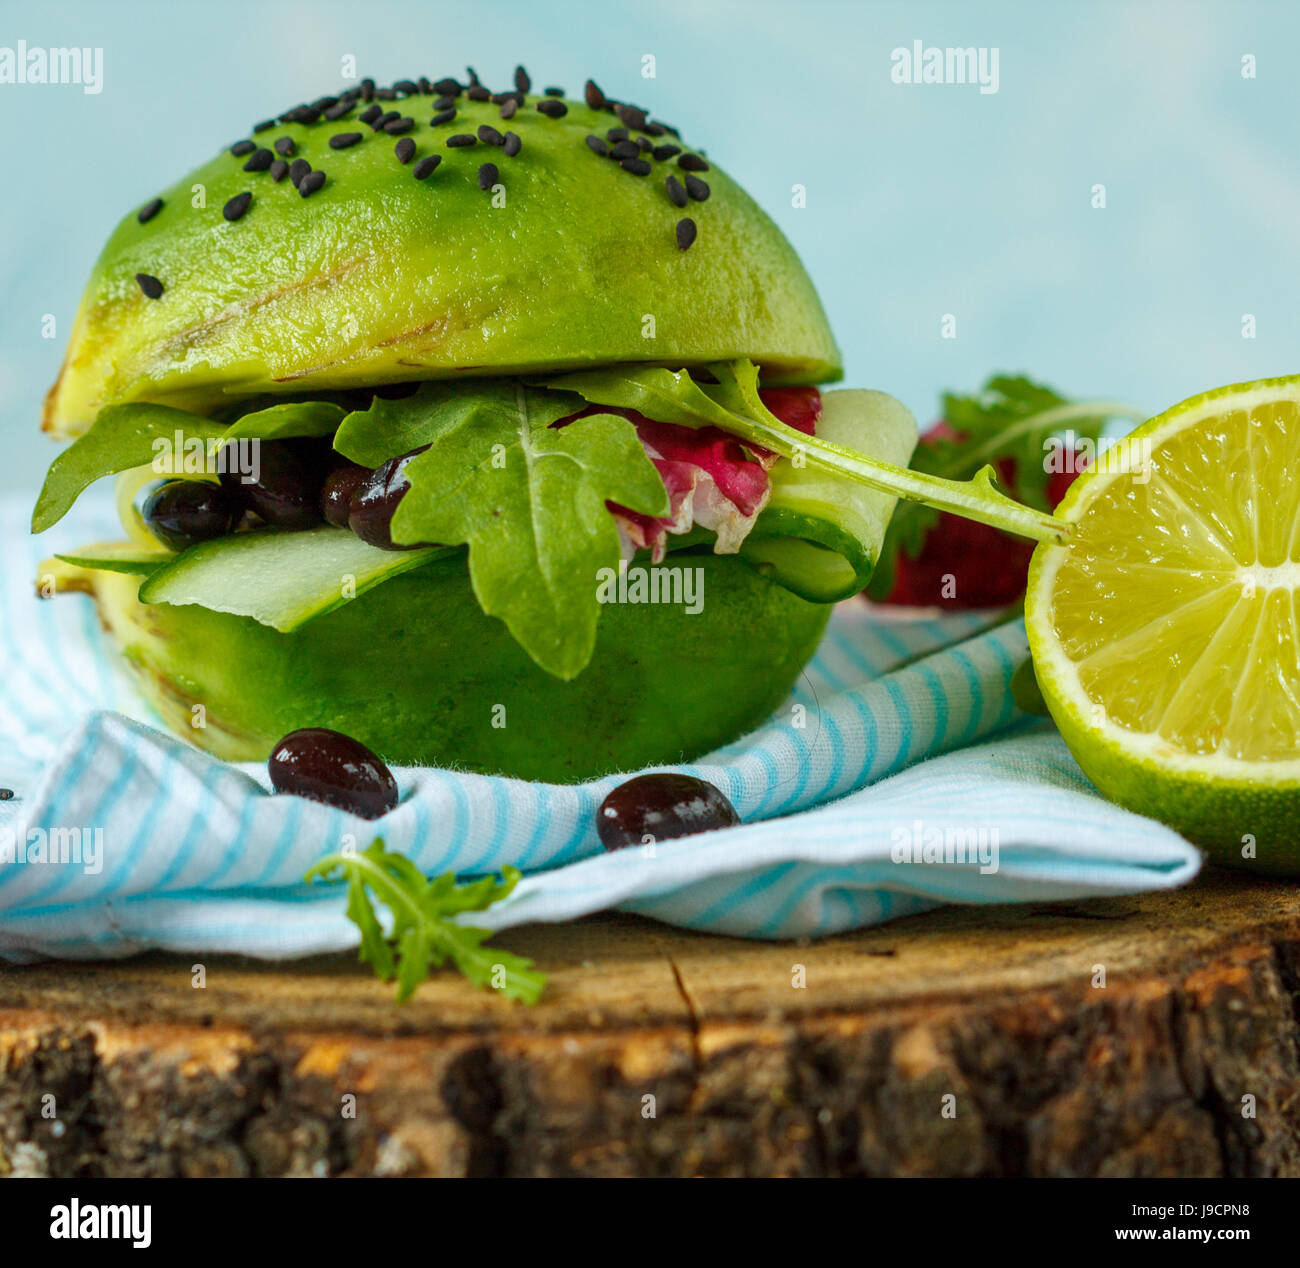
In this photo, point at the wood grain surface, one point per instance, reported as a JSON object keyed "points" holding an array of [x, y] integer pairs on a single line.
{"points": [[968, 1041]]}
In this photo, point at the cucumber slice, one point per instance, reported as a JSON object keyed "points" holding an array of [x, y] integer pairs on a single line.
{"points": [[819, 535], [119, 557], [281, 578]]}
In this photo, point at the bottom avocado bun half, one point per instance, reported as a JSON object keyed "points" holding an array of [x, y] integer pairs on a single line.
{"points": [[457, 690]]}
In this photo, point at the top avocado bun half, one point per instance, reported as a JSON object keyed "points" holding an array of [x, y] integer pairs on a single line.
{"points": [[549, 253]]}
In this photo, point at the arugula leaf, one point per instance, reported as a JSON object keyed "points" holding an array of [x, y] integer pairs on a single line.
{"points": [[1010, 417], [423, 935], [529, 501], [125, 436], [389, 428], [734, 404]]}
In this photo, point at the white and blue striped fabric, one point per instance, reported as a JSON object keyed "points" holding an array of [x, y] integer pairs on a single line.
{"points": [[898, 745]]}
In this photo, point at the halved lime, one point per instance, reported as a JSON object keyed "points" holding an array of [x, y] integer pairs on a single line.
{"points": [[1166, 631]]}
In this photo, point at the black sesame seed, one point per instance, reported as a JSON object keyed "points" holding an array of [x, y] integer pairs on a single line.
{"points": [[488, 175], [616, 134], [445, 117], [512, 144], [676, 191], [461, 139], [448, 87], [597, 146], [324, 103], [311, 183], [367, 89], [625, 150], [443, 103], [149, 210], [489, 135], [291, 114], [259, 161], [478, 93], [500, 98], [655, 129], [424, 168], [395, 127], [663, 153], [692, 163], [405, 150], [306, 114], [426, 87], [522, 82], [638, 167], [384, 120], [686, 232], [644, 144], [696, 188], [595, 98], [236, 206], [341, 140], [553, 92], [385, 94], [473, 76], [151, 286], [279, 169], [285, 147], [408, 86], [553, 109], [263, 126], [334, 113], [298, 169], [240, 148], [508, 108], [370, 114], [633, 116]]}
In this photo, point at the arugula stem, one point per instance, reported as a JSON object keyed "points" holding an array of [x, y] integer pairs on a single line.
{"points": [[977, 499]]}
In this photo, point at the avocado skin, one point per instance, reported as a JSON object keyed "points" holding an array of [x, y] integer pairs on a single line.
{"points": [[378, 277], [414, 670]]}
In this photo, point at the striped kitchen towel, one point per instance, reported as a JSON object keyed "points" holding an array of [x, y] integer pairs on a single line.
{"points": [[908, 779]]}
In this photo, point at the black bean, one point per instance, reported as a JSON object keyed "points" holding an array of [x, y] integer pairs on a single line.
{"points": [[625, 149], [279, 169], [489, 135], [149, 210], [478, 93], [184, 512], [676, 191], [298, 169], [553, 109], [333, 768], [150, 285], [336, 493], [240, 148], [424, 168], [522, 82], [395, 127], [661, 807], [405, 150], [286, 489], [597, 146], [686, 232], [446, 116], [259, 161], [692, 163], [370, 514], [311, 183], [512, 144], [341, 140], [663, 153], [488, 175], [638, 167], [448, 87], [285, 147], [461, 139]]}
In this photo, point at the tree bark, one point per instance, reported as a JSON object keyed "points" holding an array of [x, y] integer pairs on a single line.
{"points": [[1155, 1035]]}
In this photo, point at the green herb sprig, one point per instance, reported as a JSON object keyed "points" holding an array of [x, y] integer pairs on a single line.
{"points": [[423, 935]]}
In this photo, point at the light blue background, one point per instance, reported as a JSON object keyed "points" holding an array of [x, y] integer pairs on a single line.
{"points": [[921, 200]]}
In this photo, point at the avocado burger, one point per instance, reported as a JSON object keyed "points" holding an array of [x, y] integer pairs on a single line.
{"points": [[481, 426]]}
